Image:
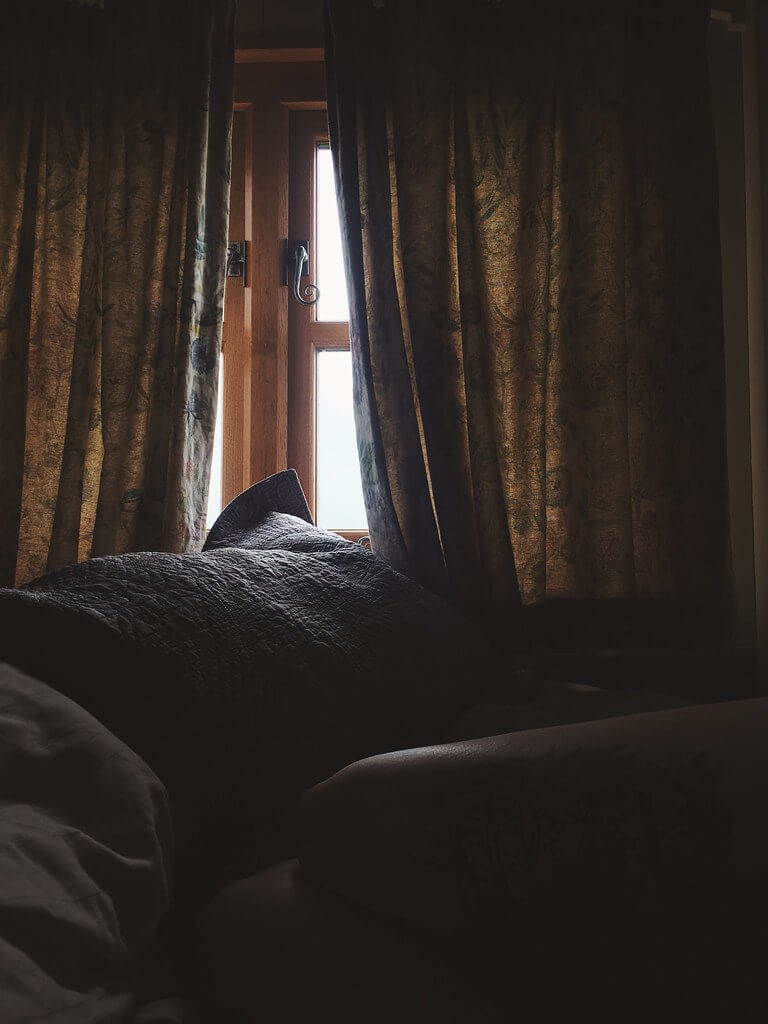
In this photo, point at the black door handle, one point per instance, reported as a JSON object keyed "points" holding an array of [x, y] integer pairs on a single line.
{"points": [[296, 267]]}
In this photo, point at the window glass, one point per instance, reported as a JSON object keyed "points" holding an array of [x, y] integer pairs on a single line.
{"points": [[339, 490], [332, 305]]}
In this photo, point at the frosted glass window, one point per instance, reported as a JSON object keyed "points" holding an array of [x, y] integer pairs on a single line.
{"points": [[332, 305], [339, 490], [215, 488]]}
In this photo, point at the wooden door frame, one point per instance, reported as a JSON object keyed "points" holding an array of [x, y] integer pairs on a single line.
{"points": [[237, 326], [266, 90]]}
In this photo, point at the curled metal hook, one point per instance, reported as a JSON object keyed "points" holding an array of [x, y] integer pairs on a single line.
{"points": [[297, 266]]}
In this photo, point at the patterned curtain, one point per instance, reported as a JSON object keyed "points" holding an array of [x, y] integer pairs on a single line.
{"points": [[115, 123], [529, 205]]}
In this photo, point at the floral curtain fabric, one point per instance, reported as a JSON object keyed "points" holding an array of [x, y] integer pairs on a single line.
{"points": [[114, 186], [529, 204]]}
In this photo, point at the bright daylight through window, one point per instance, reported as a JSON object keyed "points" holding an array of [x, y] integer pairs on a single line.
{"points": [[339, 492], [332, 305], [338, 489]]}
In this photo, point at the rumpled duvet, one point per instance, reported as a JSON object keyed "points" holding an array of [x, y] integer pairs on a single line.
{"points": [[85, 860], [247, 673]]}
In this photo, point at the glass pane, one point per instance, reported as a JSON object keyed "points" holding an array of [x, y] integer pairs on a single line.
{"points": [[339, 491], [332, 305], [214, 490]]}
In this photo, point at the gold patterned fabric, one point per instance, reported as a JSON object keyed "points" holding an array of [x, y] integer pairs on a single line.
{"points": [[529, 206], [115, 128]]}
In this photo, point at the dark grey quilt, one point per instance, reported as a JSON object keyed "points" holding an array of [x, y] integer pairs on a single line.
{"points": [[247, 673]]}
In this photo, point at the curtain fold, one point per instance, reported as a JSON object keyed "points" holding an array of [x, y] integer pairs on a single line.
{"points": [[528, 195], [115, 124]]}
